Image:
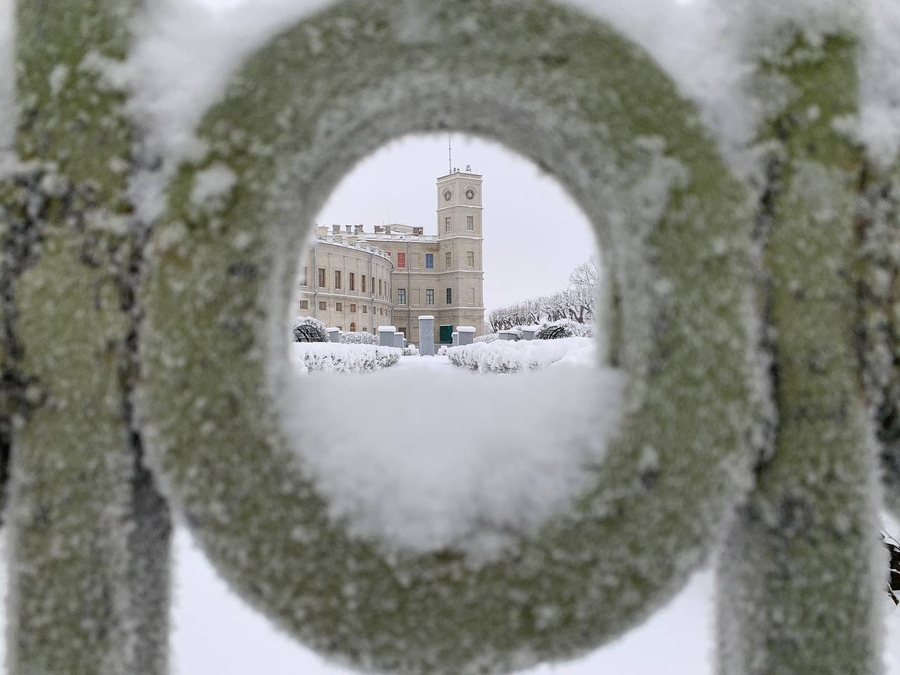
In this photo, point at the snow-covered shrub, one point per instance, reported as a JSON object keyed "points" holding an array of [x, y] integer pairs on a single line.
{"points": [[338, 358], [487, 337], [513, 357], [363, 338], [442, 350], [553, 331], [585, 329], [564, 328], [410, 350], [309, 329]]}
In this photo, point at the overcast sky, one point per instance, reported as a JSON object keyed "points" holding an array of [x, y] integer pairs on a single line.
{"points": [[530, 245]]}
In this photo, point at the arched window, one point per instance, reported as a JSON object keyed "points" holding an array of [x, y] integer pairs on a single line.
{"points": [[353, 327]]}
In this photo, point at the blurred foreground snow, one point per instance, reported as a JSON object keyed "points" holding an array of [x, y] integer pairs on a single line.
{"points": [[216, 632], [424, 455]]}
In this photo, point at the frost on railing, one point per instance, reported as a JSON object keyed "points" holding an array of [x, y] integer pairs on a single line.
{"points": [[805, 533], [756, 328]]}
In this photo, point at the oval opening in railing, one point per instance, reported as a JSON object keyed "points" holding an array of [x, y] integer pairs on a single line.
{"points": [[672, 225], [441, 289]]}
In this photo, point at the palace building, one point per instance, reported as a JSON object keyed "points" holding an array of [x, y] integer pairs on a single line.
{"points": [[357, 280]]}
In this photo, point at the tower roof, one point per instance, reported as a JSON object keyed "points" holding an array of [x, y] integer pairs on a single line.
{"points": [[460, 174]]}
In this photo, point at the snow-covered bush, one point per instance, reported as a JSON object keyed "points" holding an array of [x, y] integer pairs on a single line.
{"points": [[442, 350], [410, 350], [517, 331], [564, 328], [309, 329], [363, 338], [513, 357], [487, 337], [338, 358], [585, 329]]}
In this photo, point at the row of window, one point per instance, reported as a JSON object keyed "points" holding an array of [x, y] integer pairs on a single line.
{"points": [[401, 300], [429, 296], [401, 263], [339, 307], [470, 224], [429, 260], [339, 281]]}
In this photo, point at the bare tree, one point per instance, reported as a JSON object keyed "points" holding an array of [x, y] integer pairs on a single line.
{"points": [[577, 302]]}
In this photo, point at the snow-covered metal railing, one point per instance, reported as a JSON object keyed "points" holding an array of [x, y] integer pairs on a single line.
{"points": [[757, 333]]}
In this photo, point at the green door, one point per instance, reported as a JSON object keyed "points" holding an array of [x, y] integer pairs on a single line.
{"points": [[446, 335]]}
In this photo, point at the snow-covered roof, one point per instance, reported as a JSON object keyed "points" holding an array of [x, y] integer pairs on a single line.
{"points": [[352, 241]]}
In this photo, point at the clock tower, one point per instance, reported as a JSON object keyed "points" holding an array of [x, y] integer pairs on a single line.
{"points": [[460, 239]]}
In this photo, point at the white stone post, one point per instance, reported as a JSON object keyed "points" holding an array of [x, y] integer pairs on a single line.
{"points": [[466, 335], [334, 334], [386, 336], [529, 332], [398, 340], [455, 338], [426, 336]]}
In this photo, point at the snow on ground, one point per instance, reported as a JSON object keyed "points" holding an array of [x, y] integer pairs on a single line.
{"points": [[428, 456], [440, 364]]}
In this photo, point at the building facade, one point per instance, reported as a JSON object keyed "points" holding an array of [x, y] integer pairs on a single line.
{"points": [[357, 280], [346, 282]]}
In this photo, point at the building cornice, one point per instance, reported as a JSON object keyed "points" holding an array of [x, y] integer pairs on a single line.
{"points": [[460, 174], [367, 250]]}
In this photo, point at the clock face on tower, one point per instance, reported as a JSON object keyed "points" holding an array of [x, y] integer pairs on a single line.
{"points": [[470, 194], [447, 195]]}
